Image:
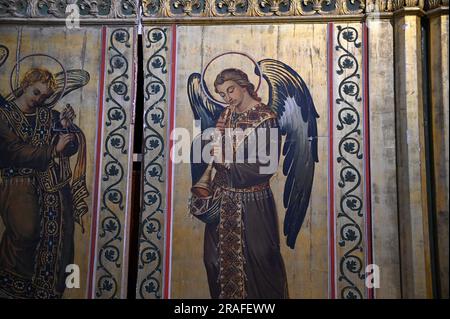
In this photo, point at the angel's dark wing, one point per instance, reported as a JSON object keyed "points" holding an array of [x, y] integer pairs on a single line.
{"points": [[289, 97], [204, 110]]}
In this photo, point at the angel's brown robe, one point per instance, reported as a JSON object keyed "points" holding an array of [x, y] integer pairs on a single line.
{"points": [[242, 250], [36, 205]]}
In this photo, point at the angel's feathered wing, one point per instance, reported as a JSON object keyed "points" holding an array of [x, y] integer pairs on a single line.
{"points": [[204, 110], [289, 97], [76, 79]]}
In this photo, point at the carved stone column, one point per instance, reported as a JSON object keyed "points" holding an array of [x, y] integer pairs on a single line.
{"points": [[438, 53], [411, 157]]}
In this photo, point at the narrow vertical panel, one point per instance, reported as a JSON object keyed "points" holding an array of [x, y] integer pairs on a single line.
{"points": [[170, 167], [367, 162], [304, 47], [411, 158], [383, 157], [96, 193], [112, 232], [440, 126], [331, 204], [349, 177], [153, 196]]}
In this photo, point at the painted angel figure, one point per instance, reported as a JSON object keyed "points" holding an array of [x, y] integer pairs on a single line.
{"points": [[234, 198], [41, 197]]}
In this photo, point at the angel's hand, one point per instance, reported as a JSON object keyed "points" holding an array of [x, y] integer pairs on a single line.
{"points": [[67, 116], [64, 140], [220, 125]]}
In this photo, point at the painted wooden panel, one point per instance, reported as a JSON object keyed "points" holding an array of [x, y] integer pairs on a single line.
{"points": [[351, 209], [113, 201], [98, 64], [304, 48], [383, 157], [153, 194], [365, 155]]}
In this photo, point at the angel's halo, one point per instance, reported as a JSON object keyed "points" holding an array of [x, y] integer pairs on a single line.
{"points": [[34, 63], [217, 64]]}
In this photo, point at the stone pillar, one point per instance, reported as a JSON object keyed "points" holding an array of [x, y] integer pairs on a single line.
{"points": [[383, 167], [411, 156], [438, 18]]}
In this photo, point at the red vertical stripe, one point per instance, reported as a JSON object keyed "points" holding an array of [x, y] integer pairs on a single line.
{"points": [[331, 221], [98, 154], [168, 221], [369, 251]]}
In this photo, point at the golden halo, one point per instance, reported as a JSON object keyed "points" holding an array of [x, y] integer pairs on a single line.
{"points": [[250, 73], [63, 73]]}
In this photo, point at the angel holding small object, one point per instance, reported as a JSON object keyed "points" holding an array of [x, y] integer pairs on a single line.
{"points": [[41, 197], [241, 242]]}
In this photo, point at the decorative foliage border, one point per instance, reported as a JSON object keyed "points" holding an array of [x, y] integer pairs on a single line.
{"points": [[57, 8], [121, 9], [350, 215], [276, 8], [249, 8], [152, 211], [115, 163]]}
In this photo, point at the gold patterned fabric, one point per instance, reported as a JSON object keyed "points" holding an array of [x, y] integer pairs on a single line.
{"points": [[242, 248], [231, 257], [36, 203]]}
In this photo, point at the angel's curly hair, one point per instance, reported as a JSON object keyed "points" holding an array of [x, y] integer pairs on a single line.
{"points": [[34, 75], [238, 76]]}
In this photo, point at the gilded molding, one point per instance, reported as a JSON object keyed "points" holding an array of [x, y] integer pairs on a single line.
{"points": [[179, 9], [56, 9], [280, 8], [379, 6], [275, 7], [187, 6], [386, 6], [13, 8], [226, 8], [350, 7], [433, 4], [400, 4], [250, 8]]}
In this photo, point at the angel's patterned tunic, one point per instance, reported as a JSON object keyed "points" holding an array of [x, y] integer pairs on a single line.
{"points": [[36, 205], [242, 250]]}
